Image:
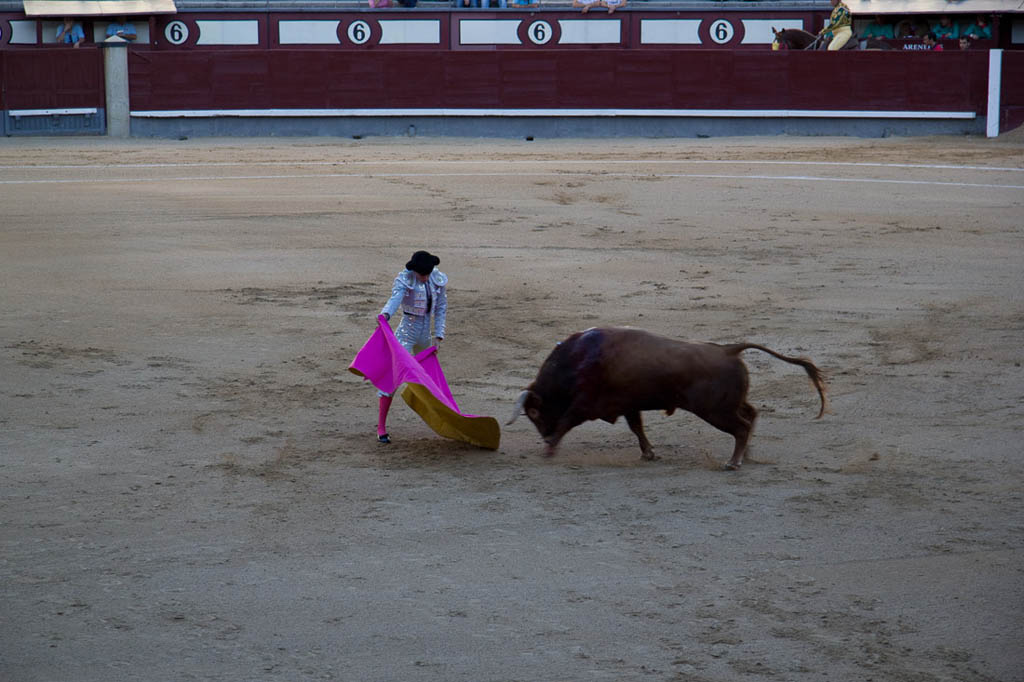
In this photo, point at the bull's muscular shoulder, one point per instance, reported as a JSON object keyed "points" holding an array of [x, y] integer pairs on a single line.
{"points": [[608, 352], [631, 356]]}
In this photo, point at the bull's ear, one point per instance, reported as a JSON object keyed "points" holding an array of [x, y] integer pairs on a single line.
{"points": [[533, 413]]}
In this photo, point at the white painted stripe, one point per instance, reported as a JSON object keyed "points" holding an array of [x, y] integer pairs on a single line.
{"points": [[489, 32], [52, 112], [590, 31], [670, 31], [532, 162], [609, 113], [308, 32], [236, 32], [759, 31], [562, 174], [995, 84], [410, 32]]}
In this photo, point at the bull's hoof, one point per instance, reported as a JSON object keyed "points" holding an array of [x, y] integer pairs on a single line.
{"points": [[732, 467], [650, 457]]}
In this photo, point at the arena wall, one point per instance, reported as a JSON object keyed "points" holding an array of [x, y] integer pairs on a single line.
{"points": [[506, 74]]}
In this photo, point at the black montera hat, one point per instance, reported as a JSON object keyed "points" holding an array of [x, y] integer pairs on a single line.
{"points": [[422, 263]]}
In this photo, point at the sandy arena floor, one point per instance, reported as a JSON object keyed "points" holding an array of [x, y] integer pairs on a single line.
{"points": [[191, 489]]}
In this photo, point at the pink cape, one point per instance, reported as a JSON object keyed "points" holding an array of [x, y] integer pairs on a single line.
{"points": [[387, 365]]}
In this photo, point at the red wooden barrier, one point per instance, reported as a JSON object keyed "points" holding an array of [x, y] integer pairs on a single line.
{"points": [[592, 79], [49, 78]]}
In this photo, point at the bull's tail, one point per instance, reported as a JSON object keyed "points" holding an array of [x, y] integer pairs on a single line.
{"points": [[817, 378]]}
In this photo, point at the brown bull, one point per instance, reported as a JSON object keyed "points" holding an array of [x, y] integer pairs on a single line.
{"points": [[607, 373]]}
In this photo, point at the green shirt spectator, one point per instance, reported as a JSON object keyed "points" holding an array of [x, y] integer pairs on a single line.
{"points": [[878, 28], [945, 28], [979, 30]]}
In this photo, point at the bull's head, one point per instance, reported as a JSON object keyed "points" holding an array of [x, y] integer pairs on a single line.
{"points": [[521, 407], [530, 404]]}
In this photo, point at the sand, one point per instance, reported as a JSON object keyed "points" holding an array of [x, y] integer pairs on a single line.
{"points": [[192, 489]]}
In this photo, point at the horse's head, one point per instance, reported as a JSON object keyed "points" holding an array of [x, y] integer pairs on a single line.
{"points": [[779, 42], [792, 39]]}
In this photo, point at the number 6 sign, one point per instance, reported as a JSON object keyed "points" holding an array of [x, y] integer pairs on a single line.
{"points": [[176, 32], [359, 32], [540, 32], [722, 31]]}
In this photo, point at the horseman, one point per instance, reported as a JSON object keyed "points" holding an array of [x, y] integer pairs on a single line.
{"points": [[839, 27]]}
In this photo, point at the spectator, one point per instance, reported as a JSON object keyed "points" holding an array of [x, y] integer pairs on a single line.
{"points": [[378, 4], [71, 32], [879, 27], [931, 41], [839, 26], [945, 29], [523, 4], [613, 5], [979, 30], [965, 43], [586, 5], [122, 29], [905, 29]]}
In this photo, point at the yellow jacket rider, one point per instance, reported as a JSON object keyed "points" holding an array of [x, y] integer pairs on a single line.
{"points": [[839, 26]]}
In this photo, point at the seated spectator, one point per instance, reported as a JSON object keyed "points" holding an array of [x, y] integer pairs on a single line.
{"points": [[380, 4], [945, 29], [879, 27], [121, 29], [965, 43], [979, 30], [905, 29], [931, 41], [71, 32], [613, 5], [523, 4], [586, 5]]}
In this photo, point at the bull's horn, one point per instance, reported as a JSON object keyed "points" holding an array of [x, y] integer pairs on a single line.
{"points": [[520, 401]]}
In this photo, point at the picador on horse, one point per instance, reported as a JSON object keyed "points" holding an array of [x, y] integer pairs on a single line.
{"points": [[836, 34], [839, 28]]}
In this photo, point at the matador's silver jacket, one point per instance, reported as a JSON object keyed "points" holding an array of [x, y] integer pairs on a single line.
{"points": [[409, 293]]}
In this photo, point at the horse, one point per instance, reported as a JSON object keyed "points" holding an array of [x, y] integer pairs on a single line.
{"points": [[799, 39]]}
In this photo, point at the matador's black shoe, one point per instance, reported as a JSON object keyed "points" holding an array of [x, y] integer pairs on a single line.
{"points": [[384, 438]]}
